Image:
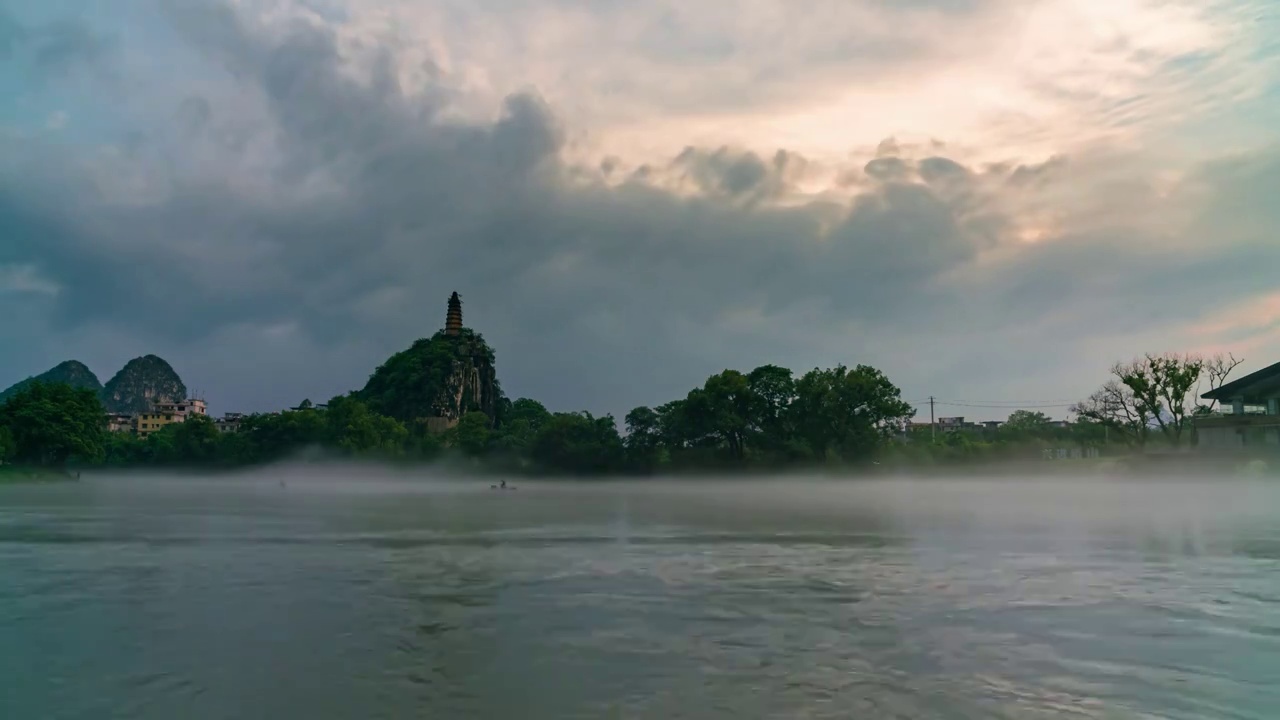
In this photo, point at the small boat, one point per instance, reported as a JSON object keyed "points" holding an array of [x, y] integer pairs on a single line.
{"points": [[503, 486]]}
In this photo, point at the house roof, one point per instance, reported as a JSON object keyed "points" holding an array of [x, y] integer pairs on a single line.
{"points": [[1263, 383]]}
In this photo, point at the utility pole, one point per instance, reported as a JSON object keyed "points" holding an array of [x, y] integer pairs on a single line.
{"points": [[933, 427]]}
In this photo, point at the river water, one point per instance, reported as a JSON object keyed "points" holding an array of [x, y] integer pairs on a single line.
{"points": [[351, 594]]}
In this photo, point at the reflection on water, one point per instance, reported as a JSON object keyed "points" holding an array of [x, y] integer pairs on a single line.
{"points": [[344, 595]]}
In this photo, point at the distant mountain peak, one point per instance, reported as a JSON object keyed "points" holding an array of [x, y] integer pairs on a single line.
{"points": [[141, 382], [71, 372]]}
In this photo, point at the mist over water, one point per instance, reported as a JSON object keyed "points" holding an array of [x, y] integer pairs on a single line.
{"points": [[349, 592]]}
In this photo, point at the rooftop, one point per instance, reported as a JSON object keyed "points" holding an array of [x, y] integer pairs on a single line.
{"points": [[1262, 384]]}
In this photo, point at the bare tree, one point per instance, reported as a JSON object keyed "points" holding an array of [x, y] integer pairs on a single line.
{"points": [[1114, 407], [1216, 371]]}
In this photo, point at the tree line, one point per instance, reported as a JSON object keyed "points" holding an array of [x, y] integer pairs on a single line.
{"points": [[764, 418], [767, 419]]}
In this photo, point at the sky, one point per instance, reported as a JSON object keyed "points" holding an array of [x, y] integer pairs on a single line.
{"points": [[992, 201]]}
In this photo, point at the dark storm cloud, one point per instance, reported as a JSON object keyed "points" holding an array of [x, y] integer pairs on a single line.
{"points": [[375, 205], [427, 200], [733, 174], [54, 49]]}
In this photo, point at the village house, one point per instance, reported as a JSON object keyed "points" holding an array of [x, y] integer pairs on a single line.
{"points": [[165, 412], [229, 423], [120, 422], [1250, 416]]}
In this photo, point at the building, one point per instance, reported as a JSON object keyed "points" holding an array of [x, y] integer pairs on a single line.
{"points": [[229, 423], [120, 422], [181, 409], [165, 412], [1250, 416], [453, 317], [146, 423]]}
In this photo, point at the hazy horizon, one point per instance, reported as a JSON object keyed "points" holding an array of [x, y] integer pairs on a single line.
{"points": [[992, 201]]}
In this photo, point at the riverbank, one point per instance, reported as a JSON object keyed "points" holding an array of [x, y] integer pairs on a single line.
{"points": [[25, 474]]}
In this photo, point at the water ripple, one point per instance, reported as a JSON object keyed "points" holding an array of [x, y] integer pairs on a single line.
{"points": [[621, 604]]}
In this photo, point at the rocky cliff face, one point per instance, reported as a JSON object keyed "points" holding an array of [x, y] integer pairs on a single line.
{"points": [[471, 384], [436, 381], [72, 372], [141, 382]]}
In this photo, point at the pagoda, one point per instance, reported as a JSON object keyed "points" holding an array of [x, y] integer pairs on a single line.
{"points": [[453, 319]]}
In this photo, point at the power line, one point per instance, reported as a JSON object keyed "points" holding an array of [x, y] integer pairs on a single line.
{"points": [[1019, 406], [997, 404], [1015, 402]]}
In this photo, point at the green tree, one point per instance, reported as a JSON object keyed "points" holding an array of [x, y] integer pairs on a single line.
{"points": [[353, 429], [270, 437], [52, 424], [773, 389], [237, 449], [720, 413], [521, 422], [643, 443], [530, 411], [124, 449], [7, 445], [1023, 424], [1161, 385], [161, 447], [578, 443], [848, 414], [472, 433], [1089, 433], [671, 425], [424, 443], [195, 442]]}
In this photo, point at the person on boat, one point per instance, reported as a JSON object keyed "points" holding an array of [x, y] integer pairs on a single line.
{"points": [[503, 485]]}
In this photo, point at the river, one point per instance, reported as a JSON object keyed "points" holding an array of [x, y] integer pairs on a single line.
{"points": [[353, 593]]}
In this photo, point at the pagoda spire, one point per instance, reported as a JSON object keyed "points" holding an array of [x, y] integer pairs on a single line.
{"points": [[453, 320]]}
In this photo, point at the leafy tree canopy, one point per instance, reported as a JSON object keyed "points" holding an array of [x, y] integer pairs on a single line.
{"points": [[578, 443], [1026, 422], [52, 424]]}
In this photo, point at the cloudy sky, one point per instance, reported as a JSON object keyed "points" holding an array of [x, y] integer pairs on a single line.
{"points": [[991, 200]]}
